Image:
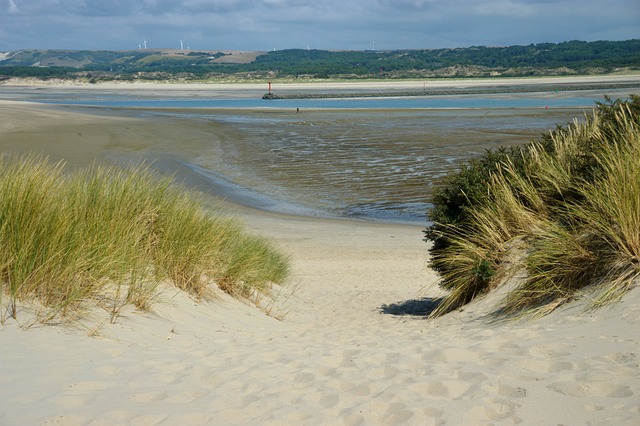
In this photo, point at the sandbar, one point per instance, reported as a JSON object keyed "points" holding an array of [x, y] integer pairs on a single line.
{"points": [[354, 347]]}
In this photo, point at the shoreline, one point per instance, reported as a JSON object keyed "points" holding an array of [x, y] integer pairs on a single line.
{"points": [[353, 348], [248, 195], [461, 91], [70, 134], [250, 88], [153, 133]]}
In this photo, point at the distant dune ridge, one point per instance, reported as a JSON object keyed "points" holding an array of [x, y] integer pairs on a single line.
{"points": [[542, 59]]}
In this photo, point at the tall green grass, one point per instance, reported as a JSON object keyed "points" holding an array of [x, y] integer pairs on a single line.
{"points": [[110, 236], [573, 198]]}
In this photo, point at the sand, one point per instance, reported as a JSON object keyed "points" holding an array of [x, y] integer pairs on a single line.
{"points": [[259, 88], [354, 346]]}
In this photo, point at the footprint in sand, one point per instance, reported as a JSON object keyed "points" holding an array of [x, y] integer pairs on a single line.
{"points": [[450, 355], [511, 392], [499, 409], [511, 348], [348, 358], [493, 409], [360, 390], [147, 397], [492, 361], [628, 359], [435, 356], [326, 371], [302, 377], [329, 400], [211, 380], [393, 357], [385, 372], [437, 389], [596, 390], [546, 366], [397, 413]]}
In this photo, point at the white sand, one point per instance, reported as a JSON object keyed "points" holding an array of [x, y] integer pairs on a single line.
{"points": [[278, 86], [354, 84], [337, 357]]}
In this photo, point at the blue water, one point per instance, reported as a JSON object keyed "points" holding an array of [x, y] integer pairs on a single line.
{"points": [[369, 158], [380, 164], [417, 102]]}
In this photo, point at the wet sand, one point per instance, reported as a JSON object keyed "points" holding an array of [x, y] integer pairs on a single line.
{"points": [[354, 347], [25, 87], [371, 164]]}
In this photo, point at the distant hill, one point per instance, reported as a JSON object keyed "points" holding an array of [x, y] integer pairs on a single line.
{"points": [[572, 57], [133, 59]]}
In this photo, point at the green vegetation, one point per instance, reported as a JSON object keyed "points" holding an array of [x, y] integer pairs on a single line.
{"points": [[572, 57], [566, 206], [110, 237]]}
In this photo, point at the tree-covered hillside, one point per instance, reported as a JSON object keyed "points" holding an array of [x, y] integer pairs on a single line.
{"points": [[565, 58], [574, 55]]}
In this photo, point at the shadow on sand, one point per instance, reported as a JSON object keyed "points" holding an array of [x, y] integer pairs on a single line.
{"points": [[415, 307]]}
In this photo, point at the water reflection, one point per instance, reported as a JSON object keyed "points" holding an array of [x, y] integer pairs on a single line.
{"points": [[375, 164]]}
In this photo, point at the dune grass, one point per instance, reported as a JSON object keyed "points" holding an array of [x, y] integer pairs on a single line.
{"points": [[573, 198], [110, 237]]}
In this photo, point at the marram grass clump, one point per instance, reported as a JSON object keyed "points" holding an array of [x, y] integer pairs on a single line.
{"points": [[110, 237], [571, 201]]}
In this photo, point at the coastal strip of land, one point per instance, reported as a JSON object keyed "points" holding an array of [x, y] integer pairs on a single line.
{"points": [[346, 342], [332, 88]]}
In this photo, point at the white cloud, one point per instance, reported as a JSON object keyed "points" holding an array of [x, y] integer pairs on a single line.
{"points": [[503, 8], [323, 24], [13, 8]]}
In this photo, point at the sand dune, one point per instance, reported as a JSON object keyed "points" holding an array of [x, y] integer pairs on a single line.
{"points": [[337, 358], [354, 347]]}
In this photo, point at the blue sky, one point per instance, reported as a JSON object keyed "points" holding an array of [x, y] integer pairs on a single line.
{"points": [[317, 24]]}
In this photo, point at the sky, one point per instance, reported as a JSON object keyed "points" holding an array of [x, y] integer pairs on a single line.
{"points": [[316, 24]]}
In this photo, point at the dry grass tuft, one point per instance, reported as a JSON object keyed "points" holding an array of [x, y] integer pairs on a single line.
{"points": [[574, 199], [109, 236]]}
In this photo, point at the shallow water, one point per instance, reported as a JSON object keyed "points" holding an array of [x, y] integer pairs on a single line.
{"points": [[375, 164], [380, 161], [195, 100]]}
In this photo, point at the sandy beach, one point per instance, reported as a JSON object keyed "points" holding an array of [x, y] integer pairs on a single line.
{"points": [[257, 89], [346, 342]]}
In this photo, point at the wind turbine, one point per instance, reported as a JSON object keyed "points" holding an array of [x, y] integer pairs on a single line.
{"points": [[181, 44], [373, 43], [144, 40]]}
